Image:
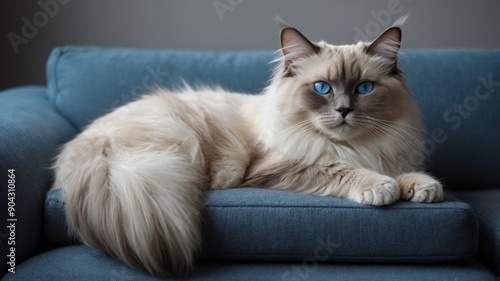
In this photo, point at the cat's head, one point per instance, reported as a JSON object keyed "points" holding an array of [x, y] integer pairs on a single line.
{"points": [[343, 92]]}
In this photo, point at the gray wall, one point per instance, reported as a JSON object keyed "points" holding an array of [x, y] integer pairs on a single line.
{"points": [[227, 25]]}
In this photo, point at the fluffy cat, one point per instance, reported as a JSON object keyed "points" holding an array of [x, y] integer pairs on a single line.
{"points": [[334, 121]]}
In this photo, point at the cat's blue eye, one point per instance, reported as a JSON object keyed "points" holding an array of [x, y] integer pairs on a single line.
{"points": [[322, 88], [364, 88]]}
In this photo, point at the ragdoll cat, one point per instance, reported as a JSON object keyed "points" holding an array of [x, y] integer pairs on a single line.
{"points": [[335, 121]]}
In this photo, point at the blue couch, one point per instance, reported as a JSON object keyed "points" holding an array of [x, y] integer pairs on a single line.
{"points": [[255, 234]]}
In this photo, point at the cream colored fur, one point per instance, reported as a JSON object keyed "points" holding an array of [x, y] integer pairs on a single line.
{"points": [[134, 180]]}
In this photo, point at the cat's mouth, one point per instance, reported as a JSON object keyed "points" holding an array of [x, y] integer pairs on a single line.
{"points": [[342, 124], [339, 128]]}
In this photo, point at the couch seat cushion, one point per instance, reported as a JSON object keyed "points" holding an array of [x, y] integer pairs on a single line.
{"points": [[258, 224]]}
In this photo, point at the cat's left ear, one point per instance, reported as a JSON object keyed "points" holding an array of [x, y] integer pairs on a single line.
{"points": [[294, 46], [387, 44]]}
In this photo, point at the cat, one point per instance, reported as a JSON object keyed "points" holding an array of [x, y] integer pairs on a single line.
{"points": [[334, 120]]}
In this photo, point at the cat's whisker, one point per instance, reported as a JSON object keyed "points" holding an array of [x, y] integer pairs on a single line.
{"points": [[396, 123], [396, 132], [375, 127], [378, 130], [305, 126], [393, 132], [393, 126]]}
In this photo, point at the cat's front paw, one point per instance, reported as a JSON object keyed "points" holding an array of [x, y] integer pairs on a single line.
{"points": [[376, 190], [419, 187]]}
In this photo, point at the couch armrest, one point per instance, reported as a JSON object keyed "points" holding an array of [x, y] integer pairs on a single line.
{"points": [[31, 132]]}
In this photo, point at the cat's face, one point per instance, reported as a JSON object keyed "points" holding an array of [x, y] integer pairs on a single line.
{"points": [[343, 92]]}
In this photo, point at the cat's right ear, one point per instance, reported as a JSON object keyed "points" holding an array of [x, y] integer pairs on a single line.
{"points": [[294, 45], [387, 44]]}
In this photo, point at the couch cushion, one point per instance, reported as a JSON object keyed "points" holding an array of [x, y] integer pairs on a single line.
{"points": [[86, 82], [486, 205], [258, 224], [82, 263], [458, 92]]}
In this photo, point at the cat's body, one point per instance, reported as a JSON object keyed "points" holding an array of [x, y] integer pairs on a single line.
{"points": [[134, 179]]}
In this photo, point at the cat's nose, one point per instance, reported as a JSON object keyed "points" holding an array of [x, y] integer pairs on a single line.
{"points": [[344, 111]]}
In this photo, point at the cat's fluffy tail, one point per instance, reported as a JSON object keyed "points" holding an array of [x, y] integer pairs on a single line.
{"points": [[142, 207]]}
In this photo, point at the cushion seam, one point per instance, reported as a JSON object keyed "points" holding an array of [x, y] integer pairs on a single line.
{"points": [[56, 74]]}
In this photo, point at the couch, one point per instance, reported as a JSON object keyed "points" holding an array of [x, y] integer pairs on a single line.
{"points": [[256, 234]]}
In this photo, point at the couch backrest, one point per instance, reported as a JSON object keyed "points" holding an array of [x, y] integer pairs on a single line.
{"points": [[458, 91], [86, 82]]}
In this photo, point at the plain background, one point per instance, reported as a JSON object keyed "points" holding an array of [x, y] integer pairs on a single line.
{"points": [[228, 25]]}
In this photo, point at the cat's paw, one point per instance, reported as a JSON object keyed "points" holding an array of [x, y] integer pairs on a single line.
{"points": [[419, 187], [376, 190]]}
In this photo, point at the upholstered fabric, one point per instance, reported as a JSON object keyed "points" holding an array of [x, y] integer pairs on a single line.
{"points": [[257, 224], [77, 263], [85, 82], [30, 133], [486, 205], [459, 94]]}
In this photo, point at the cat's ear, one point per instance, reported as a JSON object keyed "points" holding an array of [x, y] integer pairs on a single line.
{"points": [[387, 44], [294, 45]]}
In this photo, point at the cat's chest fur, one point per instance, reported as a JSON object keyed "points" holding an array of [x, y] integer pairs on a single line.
{"points": [[382, 155]]}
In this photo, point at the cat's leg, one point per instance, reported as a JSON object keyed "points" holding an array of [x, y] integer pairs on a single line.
{"points": [[361, 185], [337, 180], [419, 187]]}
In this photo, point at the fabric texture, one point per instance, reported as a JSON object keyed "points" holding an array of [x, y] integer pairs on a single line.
{"points": [[31, 132], [259, 224], [86, 82], [82, 263], [486, 205], [459, 95]]}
